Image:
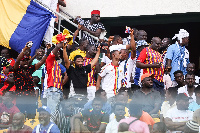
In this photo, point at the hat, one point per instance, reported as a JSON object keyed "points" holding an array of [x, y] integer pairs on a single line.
{"points": [[44, 108], [62, 36], [95, 12], [182, 96], [25, 57], [146, 75], [193, 125], [141, 43], [182, 34]]}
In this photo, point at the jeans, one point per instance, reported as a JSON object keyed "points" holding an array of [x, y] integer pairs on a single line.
{"points": [[54, 96]]}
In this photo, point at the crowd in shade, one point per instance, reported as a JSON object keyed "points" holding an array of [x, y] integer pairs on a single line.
{"points": [[107, 86]]}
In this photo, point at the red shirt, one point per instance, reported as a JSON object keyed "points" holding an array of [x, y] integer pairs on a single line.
{"points": [[150, 56], [91, 78], [54, 72]]}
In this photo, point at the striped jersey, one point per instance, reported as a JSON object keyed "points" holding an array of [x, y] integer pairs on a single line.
{"points": [[91, 78], [111, 77], [150, 56], [54, 72], [128, 66]]}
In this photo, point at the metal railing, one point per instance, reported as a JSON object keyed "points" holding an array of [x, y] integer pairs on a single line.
{"points": [[66, 19]]}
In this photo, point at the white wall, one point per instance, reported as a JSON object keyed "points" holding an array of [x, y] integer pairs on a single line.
{"points": [[115, 8]]}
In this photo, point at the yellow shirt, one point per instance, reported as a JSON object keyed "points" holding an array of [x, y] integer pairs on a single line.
{"points": [[76, 52]]}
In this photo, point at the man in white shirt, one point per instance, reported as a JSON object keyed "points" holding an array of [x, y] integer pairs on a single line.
{"points": [[113, 73], [170, 97], [176, 118], [119, 111], [188, 89]]}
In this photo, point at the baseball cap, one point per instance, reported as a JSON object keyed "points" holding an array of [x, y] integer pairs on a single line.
{"points": [[44, 108], [146, 75], [182, 96]]}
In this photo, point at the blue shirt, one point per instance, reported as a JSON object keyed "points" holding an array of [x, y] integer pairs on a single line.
{"points": [[44, 129], [106, 107], [180, 58], [193, 106]]}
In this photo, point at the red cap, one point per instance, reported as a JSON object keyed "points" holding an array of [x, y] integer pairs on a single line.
{"points": [[95, 12], [146, 75]]}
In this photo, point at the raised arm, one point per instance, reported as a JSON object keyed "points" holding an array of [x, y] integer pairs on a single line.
{"points": [[98, 82], [94, 33], [42, 61], [20, 56], [74, 36], [133, 47], [96, 58], [32, 58], [65, 56]]}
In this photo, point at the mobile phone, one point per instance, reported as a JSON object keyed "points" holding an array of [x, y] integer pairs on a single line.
{"points": [[30, 44]]}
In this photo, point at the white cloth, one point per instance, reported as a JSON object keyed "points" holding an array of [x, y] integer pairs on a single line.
{"points": [[182, 34], [112, 127], [111, 78], [52, 4], [130, 64], [91, 92], [179, 115], [197, 79], [72, 92], [105, 59], [167, 81], [117, 47], [165, 107], [184, 90], [45, 86]]}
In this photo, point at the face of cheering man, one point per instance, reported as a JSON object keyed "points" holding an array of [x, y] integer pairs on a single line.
{"points": [[79, 62], [155, 43]]}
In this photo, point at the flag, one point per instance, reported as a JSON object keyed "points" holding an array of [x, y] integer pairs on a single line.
{"points": [[128, 29], [23, 21]]}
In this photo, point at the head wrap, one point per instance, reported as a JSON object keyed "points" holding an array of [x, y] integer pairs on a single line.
{"points": [[182, 34], [95, 12], [141, 43], [61, 37], [193, 125]]}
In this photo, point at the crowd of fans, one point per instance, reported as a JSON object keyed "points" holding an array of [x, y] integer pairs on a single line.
{"points": [[134, 87]]}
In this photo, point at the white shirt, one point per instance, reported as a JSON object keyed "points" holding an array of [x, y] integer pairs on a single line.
{"points": [[128, 66], [112, 127], [111, 78], [184, 90], [179, 115], [165, 107], [105, 59]]}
